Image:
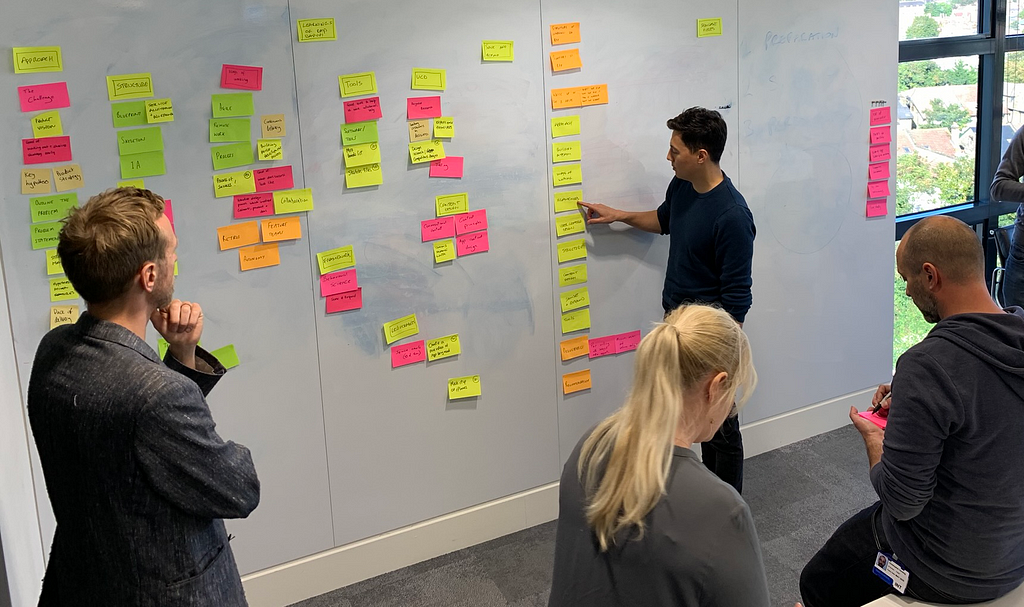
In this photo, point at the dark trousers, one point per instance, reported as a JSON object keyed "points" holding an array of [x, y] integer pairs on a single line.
{"points": [[723, 454], [839, 575]]}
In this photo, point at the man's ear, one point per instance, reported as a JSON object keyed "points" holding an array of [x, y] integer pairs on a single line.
{"points": [[931, 275], [147, 276]]}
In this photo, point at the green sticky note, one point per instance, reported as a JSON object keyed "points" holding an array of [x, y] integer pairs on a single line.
{"points": [[336, 259], [142, 165], [443, 347], [293, 201], [568, 201], [463, 387], [47, 124], [269, 149], [444, 250], [359, 132], [568, 174], [428, 80], [229, 184], [45, 235], [571, 250], [313, 30], [400, 328], [228, 105], [575, 299], [132, 183], [452, 204], [62, 290], [358, 84], [231, 155], [563, 126], [161, 347], [137, 141], [709, 27], [227, 356], [52, 208], [564, 151], [577, 320], [53, 265], [129, 113], [32, 59], [572, 275], [159, 110], [497, 50], [364, 176], [444, 127], [570, 223], [224, 130], [130, 86]]}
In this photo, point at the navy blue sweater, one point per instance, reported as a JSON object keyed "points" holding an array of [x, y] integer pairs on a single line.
{"points": [[711, 247]]}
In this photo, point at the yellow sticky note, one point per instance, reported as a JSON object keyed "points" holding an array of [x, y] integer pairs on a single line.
{"points": [[401, 328], [259, 256], [426, 151], [568, 201], [451, 204], [497, 50], [272, 126], [565, 60], [47, 124], [575, 347], [358, 84], [293, 201], [577, 320], [419, 130], [568, 174], [53, 265], [229, 184], [575, 299], [175, 267], [361, 177], [314, 30], [565, 33], [429, 80], [129, 86], [63, 315], [336, 259], [132, 183], [61, 290], [443, 347], [361, 155], [444, 127], [269, 149], [570, 223], [463, 387], [159, 110], [36, 181], [565, 151], [238, 235], [571, 250], [576, 382], [67, 177], [563, 126], [276, 229], [444, 250], [32, 59], [572, 275], [709, 27]]}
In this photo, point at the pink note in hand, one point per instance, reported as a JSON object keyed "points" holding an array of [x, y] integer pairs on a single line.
{"points": [[47, 149], [879, 170], [879, 152], [433, 229], [474, 221], [44, 96], [878, 189], [447, 167], [875, 418], [424, 107], [881, 134], [602, 346], [342, 302], [253, 205], [338, 282], [627, 342], [361, 110], [169, 212], [273, 178], [467, 244], [881, 115], [407, 354], [876, 208], [246, 77]]}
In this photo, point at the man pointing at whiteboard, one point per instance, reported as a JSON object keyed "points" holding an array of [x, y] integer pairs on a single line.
{"points": [[711, 244]]}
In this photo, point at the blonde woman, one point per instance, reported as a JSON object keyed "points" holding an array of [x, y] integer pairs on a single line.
{"points": [[641, 521]]}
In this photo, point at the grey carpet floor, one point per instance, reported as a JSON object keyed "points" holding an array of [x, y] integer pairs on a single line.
{"points": [[798, 495]]}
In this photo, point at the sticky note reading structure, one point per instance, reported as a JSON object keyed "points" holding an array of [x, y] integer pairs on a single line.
{"points": [[129, 86], [569, 174], [426, 151], [572, 275], [572, 250], [444, 250], [426, 79], [565, 33], [336, 259], [443, 347], [568, 201], [32, 59], [142, 165], [401, 328], [364, 176], [230, 184], [709, 27], [63, 315], [576, 382], [314, 30], [577, 320], [230, 105], [358, 84], [463, 387], [451, 204], [497, 50], [564, 126], [259, 256], [47, 124]]}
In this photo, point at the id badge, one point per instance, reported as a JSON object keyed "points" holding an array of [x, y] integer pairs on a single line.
{"points": [[892, 571]]}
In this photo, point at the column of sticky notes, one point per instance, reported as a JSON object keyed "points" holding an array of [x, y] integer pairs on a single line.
{"points": [[879, 154], [359, 139]]}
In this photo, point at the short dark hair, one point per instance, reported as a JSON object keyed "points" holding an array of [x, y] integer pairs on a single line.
{"points": [[948, 244], [701, 128], [104, 243]]}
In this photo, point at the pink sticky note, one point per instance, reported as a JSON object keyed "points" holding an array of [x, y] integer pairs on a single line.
{"points": [[881, 115], [341, 302], [878, 189], [602, 346], [467, 244], [44, 96], [881, 134], [407, 354], [474, 221], [447, 167], [879, 152], [433, 229], [169, 212], [627, 342], [874, 418], [424, 107], [338, 282], [879, 170], [361, 110], [47, 149], [876, 208], [254, 205], [273, 178], [246, 77]]}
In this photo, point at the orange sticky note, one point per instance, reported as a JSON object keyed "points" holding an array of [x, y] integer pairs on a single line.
{"points": [[575, 347], [576, 382], [565, 60], [568, 97], [238, 235], [259, 256], [593, 95], [565, 33], [281, 228]]}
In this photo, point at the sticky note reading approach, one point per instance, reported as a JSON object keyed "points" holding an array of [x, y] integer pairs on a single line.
{"points": [[36, 181], [273, 178], [568, 174], [38, 97], [572, 275], [444, 127], [876, 208], [272, 126], [576, 382], [468, 244], [159, 110], [63, 315], [565, 151], [238, 235], [358, 84], [32, 59], [343, 281], [564, 126], [879, 170], [474, 221], [449, 166], [565, 60], [880, 115], [364, 176], [878, 189], [142, 165], [577, 320], [53, 265], [128, 113], [62, 290], [565, 33], [47, 124], [46, 149], [225, 130], [418, 108], [426, 79], [133, 183], [259, 256], [407, 354], [246, 77], [575, 299], [426, 151], [277, 229], [227, 356], [419, 130], [129, 86], [361, 110], [497, 50], [444, 250], [231, 155], [571, 250], [881, 134], [443, 347], [434, 229], [362, 154], [570, 223], [336, 259], [51, 208], [230, 105], [463, 387], [230, 184], [293, 201], [253, 205], [568, 200], [343, 302], [45, 235], [269, 149], [880, 152], [67, 177], [359, 132], [574, 348], [137, 141], [400, 328], [709, 27], [315, 30], [451, 204]]}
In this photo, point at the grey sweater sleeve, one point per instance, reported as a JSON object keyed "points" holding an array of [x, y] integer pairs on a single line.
{"points": [[1006, 184], [734, 573]]}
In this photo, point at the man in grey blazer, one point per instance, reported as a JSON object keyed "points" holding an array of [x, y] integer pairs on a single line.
{"points": [[137, 475]]}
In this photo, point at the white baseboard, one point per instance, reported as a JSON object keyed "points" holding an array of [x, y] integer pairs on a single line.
{"points": [[788, 428]]}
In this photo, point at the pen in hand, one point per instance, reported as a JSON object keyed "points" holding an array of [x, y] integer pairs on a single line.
{"points": [[879, 405]]}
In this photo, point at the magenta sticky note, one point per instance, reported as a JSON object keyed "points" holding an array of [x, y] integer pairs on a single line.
{"points": [[407, 354], [361, 110], [254, 205], [273, 178], [878, 170], [467, 244], [169, 211], [38, 97], [876, 208], [878, 189], [881, 134], [424, 107], [627, 342], [447, 167], [874, 418], [433, 229], [341, 302], [881, 115], [47, 149], [246, 77], [602, 346], [879, 152], [474, 221], [338, 282]]}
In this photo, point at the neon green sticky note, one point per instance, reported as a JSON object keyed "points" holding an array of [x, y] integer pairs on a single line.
{"points": [[159, 110], [400, 328], [563, 126], [570, 223], [364, 176], [132, 183], [577, 320], [227, 356], [137, 141], [129, 86], [463, 387], [443, 347], [225, 130], [32, 59], [428, 80], [228, 105], [709, 27], [62, 290], [162, 346], [231, 155], [336, 259], [293, 201], [568, 174], [497, 50], [571, 250], [315, 30], [361, 155], [444, 127], [444, 250], [359, 132], [426, 151], [142, 165], [564, 151], [175, 267], [45, 235], [575, 299], [358, 84], [52, 208], [269, 149], [53, 265], [572, 275], [229, 184], [452, 204], [47, 124], [568, 201], [129, 113]]}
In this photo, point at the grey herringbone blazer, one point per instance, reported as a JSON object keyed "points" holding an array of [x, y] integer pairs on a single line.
{"points": [[138, 478]]}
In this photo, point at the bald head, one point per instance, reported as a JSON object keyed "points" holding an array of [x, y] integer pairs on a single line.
{"points": [[948, 244]]}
